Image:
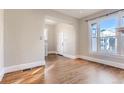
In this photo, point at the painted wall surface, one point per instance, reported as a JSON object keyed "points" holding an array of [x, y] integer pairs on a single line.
{"points": [[1, 43], [52, 38], [23, 29]]}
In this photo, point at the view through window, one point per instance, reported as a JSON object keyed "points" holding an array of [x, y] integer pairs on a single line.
{"points": [[108, 37]]}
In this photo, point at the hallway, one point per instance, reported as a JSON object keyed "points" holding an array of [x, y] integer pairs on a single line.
{"points": [[62, 70]]}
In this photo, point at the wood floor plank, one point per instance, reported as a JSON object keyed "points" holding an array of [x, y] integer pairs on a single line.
{"points": [[62, 70]]}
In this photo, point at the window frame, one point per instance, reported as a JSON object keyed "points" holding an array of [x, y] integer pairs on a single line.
{"points": [[90, 35], [121, 14]]}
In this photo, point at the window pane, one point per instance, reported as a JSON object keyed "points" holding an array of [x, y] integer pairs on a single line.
{"points": [[108, 41], [94, 37], [108, 27], [94, 44], [94, 30], [122, 21], [108, 44]]}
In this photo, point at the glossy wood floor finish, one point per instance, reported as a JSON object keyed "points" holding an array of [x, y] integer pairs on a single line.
{"points": [[61, 70]]}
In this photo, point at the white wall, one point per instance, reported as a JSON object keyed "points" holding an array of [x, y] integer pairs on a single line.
{"points": [[22, 37], [83, 38], [52, 40], [1, 44], [23, 29]]}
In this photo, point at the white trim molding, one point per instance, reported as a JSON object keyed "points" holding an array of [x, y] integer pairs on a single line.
{"points": [[1, 73], [70, 56], [52, 52], [106, 62], [64, 54], [23, 66]]}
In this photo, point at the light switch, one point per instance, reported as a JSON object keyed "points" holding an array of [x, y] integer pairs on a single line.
{"points": [[40, 37]]}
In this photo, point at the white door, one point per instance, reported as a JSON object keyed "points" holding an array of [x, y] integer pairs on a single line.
{"points": [[60, 43]]}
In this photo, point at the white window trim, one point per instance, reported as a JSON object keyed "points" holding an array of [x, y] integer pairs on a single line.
{"points": [[90, 36]]}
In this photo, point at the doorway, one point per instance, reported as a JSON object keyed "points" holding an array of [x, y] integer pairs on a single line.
{"points": [[59, 38]]}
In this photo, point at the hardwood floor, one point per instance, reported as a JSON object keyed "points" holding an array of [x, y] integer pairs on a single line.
{"points": [[62, 70]]}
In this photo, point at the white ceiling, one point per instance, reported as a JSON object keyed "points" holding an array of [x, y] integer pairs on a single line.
{"points": [[78, 13], [49, 21]]}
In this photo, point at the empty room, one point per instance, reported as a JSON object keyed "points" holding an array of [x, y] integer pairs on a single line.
{"points": [[61, 46]]}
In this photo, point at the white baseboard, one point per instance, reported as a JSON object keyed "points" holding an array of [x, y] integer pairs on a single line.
{"points": [[70, 56], [106, 62], [66, 55], [23, 66], [1, 73], [52, 52]]}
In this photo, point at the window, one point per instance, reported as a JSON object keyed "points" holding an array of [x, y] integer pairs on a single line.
{"points": [[108, 37], [104, 35]]}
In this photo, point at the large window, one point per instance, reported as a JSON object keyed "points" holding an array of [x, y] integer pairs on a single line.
{"points": [[104, 35]]}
